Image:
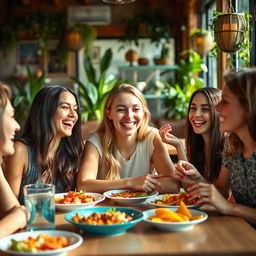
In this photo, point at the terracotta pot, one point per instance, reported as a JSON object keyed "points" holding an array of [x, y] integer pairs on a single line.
{"points": [[74, 40], [143, 61], [131, 56]]}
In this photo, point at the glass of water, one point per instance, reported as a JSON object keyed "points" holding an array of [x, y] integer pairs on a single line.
{"points": [[40, 206]]}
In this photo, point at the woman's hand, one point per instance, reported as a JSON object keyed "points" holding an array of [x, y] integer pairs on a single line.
{"points": [[208, 193], [167, 137], [187, 173], [146, 183]]}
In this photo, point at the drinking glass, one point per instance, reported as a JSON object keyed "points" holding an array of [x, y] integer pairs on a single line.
{"points": [[40, 207]]}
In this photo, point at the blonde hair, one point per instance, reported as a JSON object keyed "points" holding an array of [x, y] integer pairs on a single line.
{"points": [[5, 95], [242, 84], [106, 130]]}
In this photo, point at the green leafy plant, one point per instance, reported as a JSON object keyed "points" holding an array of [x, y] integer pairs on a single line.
{"points": [[243, 48], [25, 93], [94, 92], [178, 92]]}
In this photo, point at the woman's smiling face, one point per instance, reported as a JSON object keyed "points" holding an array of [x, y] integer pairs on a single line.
{"points": [[126, 113], [200, 114], [8, 128]]}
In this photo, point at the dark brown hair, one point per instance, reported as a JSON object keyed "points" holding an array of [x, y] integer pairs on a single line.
{"points": [[195, 142]]}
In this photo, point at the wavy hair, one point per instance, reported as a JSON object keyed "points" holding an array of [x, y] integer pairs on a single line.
{"points": [[106, 130], [241, 83], [195, 143], [39, 131]]}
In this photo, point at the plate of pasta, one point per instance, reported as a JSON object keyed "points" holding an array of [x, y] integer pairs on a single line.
{"points": [[41, 242], [76, 200], [129, 197], [172, 201]]}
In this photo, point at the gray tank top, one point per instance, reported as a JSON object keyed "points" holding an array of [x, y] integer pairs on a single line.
{"points": [[32, 176]]}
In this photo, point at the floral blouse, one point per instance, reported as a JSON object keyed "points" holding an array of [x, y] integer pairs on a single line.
{"points": [[243, 178]]}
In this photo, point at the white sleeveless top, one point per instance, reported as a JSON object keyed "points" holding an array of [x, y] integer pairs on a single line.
{"points": [[140, 162]]}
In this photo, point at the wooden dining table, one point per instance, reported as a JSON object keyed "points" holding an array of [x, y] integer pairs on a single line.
{"points": [[218, 235]]}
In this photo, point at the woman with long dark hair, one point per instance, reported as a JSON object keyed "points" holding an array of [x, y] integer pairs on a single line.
{"points": [[49, 146], [204, 141]]}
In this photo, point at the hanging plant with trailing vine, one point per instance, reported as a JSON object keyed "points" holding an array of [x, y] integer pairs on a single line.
{"points": [[243, 51]]}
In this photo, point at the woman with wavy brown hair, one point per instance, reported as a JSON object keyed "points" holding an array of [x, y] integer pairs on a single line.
{"points": [[125, 152], [12, 215], [49, 146]]}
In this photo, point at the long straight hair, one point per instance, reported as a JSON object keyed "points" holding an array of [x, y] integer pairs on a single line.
{"points": [[195, 143], [39, 131], [106, 130], [242, 83]]}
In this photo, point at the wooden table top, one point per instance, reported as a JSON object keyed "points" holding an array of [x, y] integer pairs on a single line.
{"points": [[218, 235]]}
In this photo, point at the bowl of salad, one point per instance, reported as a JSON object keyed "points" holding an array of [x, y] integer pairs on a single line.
{"points": [[129, 197], [104, 221], [41, 242], [76, 200]]}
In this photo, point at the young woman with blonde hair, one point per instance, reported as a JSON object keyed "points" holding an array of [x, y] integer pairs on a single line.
{"points": [[125, 152], [12, 215]]}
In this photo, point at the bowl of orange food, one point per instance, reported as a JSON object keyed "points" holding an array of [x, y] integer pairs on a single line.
{"points": [[41, 242], [129, 197], [76, 200], [172, 201], [169, 219], [104, 221]]}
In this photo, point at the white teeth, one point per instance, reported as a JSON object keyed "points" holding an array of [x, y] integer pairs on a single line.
{"points": [[68, 122], [128, 124], [199, 122]]}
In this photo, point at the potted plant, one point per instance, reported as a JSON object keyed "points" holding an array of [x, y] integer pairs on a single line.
{"points": [[232, 35], [177, 93], [201, 41], [23, 95], [80, 35], [93, 93]]}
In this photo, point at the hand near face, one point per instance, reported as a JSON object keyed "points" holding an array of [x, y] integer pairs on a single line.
{"points": [[186, 172], [167, 137], [208, 193]]}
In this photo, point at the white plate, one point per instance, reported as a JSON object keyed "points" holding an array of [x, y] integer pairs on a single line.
{"points": [[151, 202], [71, 207], [127, 201], [174, 226], [74, 240]]}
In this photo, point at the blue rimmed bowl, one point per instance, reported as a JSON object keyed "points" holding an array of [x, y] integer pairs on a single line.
{"points": [[105, 230]]}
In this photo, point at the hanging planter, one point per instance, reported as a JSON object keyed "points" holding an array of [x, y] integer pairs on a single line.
{"points": [[229, 30], [201, 41], [74, 39]]}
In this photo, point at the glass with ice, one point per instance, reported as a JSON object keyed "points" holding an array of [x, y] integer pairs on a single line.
{"points": [[40, 207]]}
